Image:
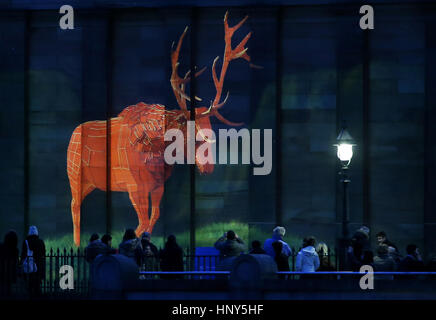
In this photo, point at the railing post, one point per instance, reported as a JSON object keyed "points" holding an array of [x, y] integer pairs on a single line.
{"points": [[85, 273], [293, 260], [56, 270], [50, 270], [186, 260], [78, 271]]}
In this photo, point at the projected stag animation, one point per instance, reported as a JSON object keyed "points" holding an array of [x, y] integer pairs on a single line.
{"points": [[137, 143]]}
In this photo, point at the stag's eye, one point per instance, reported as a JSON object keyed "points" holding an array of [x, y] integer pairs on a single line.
{"points": [[181, 120]]}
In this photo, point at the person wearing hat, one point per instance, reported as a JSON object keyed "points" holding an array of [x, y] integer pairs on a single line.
{"points": [[149, 249], [359, 249], [94, 248], [278, 234], [36, 246]]}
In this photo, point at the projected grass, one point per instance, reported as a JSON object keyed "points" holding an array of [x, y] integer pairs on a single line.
{"points": [[205, 237]]}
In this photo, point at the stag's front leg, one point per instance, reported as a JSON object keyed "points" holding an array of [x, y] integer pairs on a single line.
{"points": [[139, 199], [156, 197]]}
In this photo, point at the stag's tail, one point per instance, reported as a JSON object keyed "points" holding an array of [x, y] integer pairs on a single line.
{"points": [[74, 156]]}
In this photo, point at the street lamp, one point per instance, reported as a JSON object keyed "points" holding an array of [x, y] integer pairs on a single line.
{"points": [[344, 146]]}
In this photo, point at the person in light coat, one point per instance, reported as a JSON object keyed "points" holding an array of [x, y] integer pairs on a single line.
{"points": [[307, 258]]}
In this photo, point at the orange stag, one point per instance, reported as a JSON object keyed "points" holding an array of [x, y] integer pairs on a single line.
{"points": [[136, 143]]}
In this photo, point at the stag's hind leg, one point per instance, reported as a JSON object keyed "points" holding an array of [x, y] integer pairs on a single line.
{"points": [[156, 197], [139, 199]]}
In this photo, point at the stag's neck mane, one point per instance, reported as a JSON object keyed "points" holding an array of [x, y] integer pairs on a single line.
{"points": [[142, 112]]}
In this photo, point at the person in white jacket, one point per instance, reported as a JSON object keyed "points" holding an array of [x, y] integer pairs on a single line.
{"points": [[307, 258]]}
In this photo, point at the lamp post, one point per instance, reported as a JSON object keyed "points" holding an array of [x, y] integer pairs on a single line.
{"points": [[344, 146]]}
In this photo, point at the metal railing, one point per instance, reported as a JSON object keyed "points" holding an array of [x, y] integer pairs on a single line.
{"points": [[343, 274], [197, 266], [318, 274]]}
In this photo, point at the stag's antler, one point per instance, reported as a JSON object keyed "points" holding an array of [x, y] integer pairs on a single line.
{"points": [[229, 54], [178, 83]]}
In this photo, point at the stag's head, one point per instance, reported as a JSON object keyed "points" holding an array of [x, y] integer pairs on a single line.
{"points": [[203, 114]]}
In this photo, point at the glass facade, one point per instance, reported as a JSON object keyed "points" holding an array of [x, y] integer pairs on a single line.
{"points": [[309, 71]]}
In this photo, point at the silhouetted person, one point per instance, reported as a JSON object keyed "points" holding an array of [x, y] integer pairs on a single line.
{"points": [[395, 254], [94, 248], [368, 258], [412, 262], [150, 253], [8, 262], [278, 234], [325, 262], [107, 241], [36, 246], [383, 239], [131, 246], [384, 262], [256, 248], [149, 249], [230, 245], [280, 258], [171, 258], [359, 248]]}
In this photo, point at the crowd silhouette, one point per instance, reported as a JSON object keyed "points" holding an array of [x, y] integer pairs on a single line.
{"points": [[311, 257]]}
